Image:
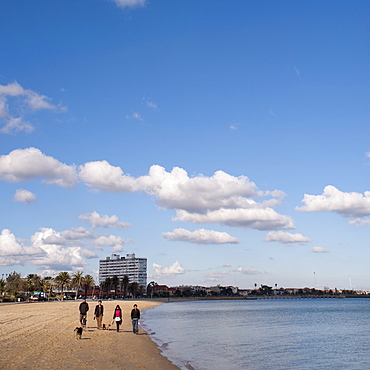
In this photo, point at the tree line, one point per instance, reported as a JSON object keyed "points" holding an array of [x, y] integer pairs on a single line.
{"points": [[15, 287]]}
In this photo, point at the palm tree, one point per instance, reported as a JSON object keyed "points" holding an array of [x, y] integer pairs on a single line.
{"points": [[46, 285], [133, 288], [88, 281], [125, 282], [115, 283], [2, 286], [150, 287], [77, 280], [106, 284], [14, 283], [63, 279]]}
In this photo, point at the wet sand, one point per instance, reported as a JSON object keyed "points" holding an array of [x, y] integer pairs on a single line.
{"points": [[41, 335]]}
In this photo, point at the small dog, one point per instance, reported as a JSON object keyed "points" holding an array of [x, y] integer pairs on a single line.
{"points": [[106, 327], [78, 331]]}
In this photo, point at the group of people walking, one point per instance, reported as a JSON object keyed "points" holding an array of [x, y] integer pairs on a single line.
{"points": [[117, 315]]}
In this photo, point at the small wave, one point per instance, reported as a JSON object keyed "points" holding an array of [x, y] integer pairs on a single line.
{"points": [[188, 366]]}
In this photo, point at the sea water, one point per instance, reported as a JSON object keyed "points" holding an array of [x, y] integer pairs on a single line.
{"points": [[263, 334]]}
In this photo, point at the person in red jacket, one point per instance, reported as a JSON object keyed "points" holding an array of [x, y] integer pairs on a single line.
{"points": [[117, 316]]}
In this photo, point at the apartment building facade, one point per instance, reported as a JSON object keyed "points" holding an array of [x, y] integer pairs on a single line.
{"points": [[115, 265]]}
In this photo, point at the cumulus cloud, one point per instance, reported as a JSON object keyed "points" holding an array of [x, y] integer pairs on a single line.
{"points": [[117, 249], [221, 198], [200, 236], [96, 220], [25, 196], [214, 276], [319, 250], [16, 124], [12, 252], [110, 240], [129, 3], [359, 221], [135, 115], [15, 102], [333, 200], [56, 254], [285, 237], [25, 164], [248, 271], [78, 233], [254, 218], [170, 271]]}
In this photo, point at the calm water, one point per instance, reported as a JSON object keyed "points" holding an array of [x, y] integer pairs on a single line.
{"points": [[263, 334]]}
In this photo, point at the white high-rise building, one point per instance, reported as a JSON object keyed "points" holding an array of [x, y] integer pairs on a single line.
{"points": [[134, 268]]}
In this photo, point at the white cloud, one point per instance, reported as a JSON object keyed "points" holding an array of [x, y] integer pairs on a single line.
{"points": [[221, 198], [129, 3], [12, 252], [285, 237], [255, 218], [96, 220], [78, 233], [319, 250], [234, 126], [20, 100], [110, 240], [151, 104], [22, 195], [170, 271], [25, 164], [57, 256], [117, 249], [102, 175], [16, 124], [248, 271], [359, 221], [135, 115], [346, 204], [200, 236], [214, 276]]}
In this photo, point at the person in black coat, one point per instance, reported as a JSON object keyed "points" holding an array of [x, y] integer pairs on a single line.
{"points": [[98, 314], [84, 307], [135, 317]]}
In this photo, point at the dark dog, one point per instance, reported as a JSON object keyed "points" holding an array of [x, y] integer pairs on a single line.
{"points": [[78, 331]]}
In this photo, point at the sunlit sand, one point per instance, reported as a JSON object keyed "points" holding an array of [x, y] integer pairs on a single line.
{"points": [[41, 335]]}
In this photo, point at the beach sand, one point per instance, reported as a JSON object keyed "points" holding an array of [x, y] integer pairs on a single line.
{"points": [[41, 335]]}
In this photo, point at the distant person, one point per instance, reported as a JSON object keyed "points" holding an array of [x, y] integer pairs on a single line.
{"points": [[84, 307], [98, 314], [135, 317], [117, 316]]}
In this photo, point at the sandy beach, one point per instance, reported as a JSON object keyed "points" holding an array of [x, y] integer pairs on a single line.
{"points": [[41, 335]]}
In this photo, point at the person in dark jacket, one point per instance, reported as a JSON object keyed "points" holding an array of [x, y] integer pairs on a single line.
{"points": [[117, 316], [84, 307], [98, 314], [135, 317]]}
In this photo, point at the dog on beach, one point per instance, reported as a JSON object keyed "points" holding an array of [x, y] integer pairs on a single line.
{"points": [[106, 327], [78, 331]]}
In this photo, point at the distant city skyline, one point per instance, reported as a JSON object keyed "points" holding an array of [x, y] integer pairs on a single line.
{"points": [[227, 143]]}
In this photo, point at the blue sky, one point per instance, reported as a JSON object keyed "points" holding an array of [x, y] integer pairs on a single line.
{"points": [[227, 142]]}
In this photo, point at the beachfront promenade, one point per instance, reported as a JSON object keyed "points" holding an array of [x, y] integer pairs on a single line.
{"points": [[41, 335]]}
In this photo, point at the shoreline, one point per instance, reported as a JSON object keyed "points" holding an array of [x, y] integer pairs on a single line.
{"points": [[41, 335]]}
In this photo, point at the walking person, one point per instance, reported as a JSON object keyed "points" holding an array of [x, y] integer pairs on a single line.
{"points": [[98, 314], [135, 317], [117, 316], [84, 307]]}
